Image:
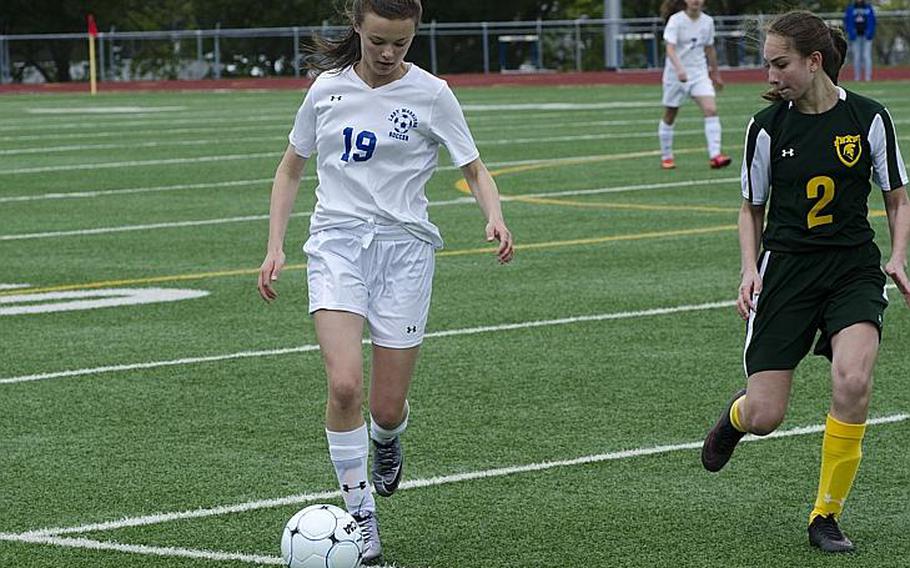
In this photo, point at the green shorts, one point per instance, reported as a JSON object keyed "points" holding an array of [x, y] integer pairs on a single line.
{"points": [[805, 293]]}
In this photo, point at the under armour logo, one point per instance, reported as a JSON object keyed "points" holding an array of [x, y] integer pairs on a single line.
{"points": [[412, 329], [350, 527], [335, 98], [347, 488], [788, 153]]}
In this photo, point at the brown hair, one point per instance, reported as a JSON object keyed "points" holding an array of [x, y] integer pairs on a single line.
{"points": [[328, 54], [670, 7], [807, 34]]}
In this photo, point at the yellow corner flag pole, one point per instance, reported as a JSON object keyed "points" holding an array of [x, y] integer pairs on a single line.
{"points": [[92, 34]]}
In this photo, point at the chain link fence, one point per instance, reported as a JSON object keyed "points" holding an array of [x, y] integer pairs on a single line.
{"points": [[443, 48]]}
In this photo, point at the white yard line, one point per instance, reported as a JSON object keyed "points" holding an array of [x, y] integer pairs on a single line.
{"points": [[103, 110], [133, 163], [134, 190], [43, 150], [148, 227], [166, 551], [315, 347], [447, 168], [249, 218], [414, 483]]}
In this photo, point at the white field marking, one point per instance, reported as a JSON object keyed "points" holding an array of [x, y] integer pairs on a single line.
{"points": [[132, 163], [132, 190], [131, 145], [559, 106], [78, 300], [165, 551], [214, 141], [103, 110], [95, 193], [14, 286], [148, 227], [282, 118], [576, 137], [421, 483], [30, 126], [457, 201], [315, 347], [147, 133]]}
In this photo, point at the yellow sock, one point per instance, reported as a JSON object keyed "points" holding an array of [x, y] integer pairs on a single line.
{"points": [[842, 450], [735, 418]]}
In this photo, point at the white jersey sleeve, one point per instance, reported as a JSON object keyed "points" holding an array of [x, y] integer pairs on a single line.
{"points": [[303, 135], [448, 126], [888, 169], [756, 172], [671, 31]]}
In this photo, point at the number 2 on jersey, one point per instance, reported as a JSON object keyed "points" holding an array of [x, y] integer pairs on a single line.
{"points": [[366, 143], [826, 186]]}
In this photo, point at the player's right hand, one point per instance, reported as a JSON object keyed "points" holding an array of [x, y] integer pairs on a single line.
{"points": [[268, 273], [896, 269], [749, 290], [682, 76]]}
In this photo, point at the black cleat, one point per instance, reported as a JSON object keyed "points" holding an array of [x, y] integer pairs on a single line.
{"points": [[826, 535], [721, 440], [388, 464]]}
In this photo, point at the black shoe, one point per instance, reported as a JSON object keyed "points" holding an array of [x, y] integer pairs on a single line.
{"points": [[721, 440], [826, 535], [388, 463]]}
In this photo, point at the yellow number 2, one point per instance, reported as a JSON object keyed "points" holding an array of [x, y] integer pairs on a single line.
{"points": [[826, 185]]}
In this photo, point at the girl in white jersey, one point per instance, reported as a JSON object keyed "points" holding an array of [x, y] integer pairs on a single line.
{"points": [[375, 123], [690, 71]]}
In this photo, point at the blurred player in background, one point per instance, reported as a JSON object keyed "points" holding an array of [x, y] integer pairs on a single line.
{"points": [[690, 71], [375, 123], [808, 158]]}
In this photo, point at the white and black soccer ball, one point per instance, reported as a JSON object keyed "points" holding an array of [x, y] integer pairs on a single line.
{"points": [[322, 536]]}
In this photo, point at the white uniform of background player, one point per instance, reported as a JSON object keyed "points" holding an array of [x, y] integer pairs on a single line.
{"points": [[375, 124], [689, 40]]}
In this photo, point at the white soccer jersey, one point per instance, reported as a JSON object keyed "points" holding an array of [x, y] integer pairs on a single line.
{"points": [[377, 148], [690, 38]]}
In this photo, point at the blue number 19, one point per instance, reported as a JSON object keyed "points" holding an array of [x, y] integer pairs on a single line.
{"points": [[366, 143]]}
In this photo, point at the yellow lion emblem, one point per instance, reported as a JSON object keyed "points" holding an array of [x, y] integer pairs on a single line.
{"points": [[849, 149]]}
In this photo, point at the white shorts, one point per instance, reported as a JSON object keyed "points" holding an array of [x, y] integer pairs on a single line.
{"points": [[384, 274], [675, 93]]}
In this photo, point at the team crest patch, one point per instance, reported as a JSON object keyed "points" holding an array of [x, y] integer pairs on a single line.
{"points": [[402, 120], [848, 148]]}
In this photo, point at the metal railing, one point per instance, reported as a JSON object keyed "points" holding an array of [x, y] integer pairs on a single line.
{"points": [[441, 47]]}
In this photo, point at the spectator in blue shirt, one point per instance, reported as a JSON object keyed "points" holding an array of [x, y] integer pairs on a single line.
{"points": [[859, 21]]}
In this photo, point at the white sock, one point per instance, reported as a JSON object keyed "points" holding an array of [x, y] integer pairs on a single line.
{"points": [[665, 133], [712, 135], [349, 451], [384, 436]]}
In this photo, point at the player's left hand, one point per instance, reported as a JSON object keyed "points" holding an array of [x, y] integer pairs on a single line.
{"points": [[718, 83], [497, 231], [897, 270]]}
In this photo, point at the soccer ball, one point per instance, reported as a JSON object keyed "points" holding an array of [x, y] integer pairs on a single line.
{"points": [[322, 536]]}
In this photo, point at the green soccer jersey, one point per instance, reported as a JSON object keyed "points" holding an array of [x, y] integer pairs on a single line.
{"points": [[815, 170]]}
